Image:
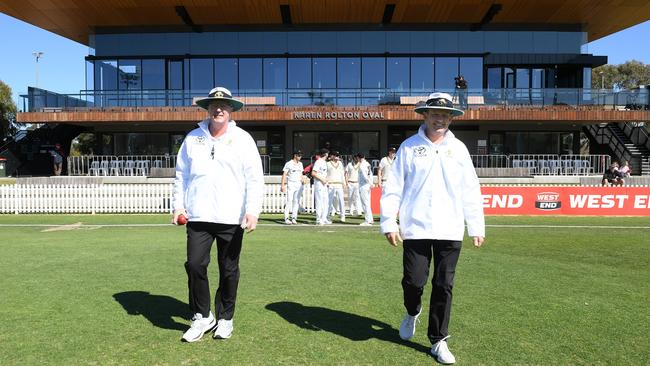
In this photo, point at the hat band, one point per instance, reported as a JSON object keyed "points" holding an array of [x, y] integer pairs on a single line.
{"points": [[440, 102]]}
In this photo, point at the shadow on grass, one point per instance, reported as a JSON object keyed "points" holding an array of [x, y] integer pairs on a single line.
{"points": [[158, 309], [351, 326]]}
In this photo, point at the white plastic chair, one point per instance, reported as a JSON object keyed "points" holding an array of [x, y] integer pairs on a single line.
{"points": [[129, 168]]}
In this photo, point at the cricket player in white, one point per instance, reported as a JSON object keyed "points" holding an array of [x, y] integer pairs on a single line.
{"points": [[219, 187], [352, 177], [365, 183], [434, 188], [384, 167], [291, 184], [321, 201], [337, 183]]}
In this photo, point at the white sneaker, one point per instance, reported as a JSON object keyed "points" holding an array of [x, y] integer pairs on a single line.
{"points": [[441, 352], [223, 329], [328, 222], [288, 222], [365, 224], [199, 327], [343, 219], [294, 222], [407, 328]]}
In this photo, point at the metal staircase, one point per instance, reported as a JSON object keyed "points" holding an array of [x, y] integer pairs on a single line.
{"points": [[628, 141]]}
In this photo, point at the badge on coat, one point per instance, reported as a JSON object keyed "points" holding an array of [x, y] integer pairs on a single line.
{"points": [[200, 140], [420, 151]]}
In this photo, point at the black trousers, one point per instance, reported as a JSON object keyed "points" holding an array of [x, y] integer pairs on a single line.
{"points": [[417, 260], [200, 236]]}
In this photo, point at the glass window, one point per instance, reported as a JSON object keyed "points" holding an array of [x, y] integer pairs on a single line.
{"points": [[509, 77], [472, 70], [141, 144], [523, 78], [275, 73], [397, 73], [130, 74], [300, 73], [225, 73], [324, 73], [201, 75], [250, 74], [446, 70], [537, 81], [422, 73], [349, 72], [494, 78], [153, 74], [90, 75], [373, 70], [106, 74], [175, 74]]}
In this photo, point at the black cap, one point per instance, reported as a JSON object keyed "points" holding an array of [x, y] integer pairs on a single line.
{"points": [[297, 152], [323, 151], [391, 149]]}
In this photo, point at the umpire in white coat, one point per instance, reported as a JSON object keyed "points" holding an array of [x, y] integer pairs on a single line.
{"points": [[434, 188], [219, 187]]}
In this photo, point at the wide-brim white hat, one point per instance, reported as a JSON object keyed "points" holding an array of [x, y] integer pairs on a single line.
{"points": [[439, 101], [220, 93]]}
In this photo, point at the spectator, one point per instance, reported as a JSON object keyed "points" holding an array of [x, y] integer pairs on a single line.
{"points": [[613, 176], [57, 159], [461, 88], [625, 170]]}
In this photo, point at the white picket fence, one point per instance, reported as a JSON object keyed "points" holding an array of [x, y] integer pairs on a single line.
{"points": [[114, 198]]}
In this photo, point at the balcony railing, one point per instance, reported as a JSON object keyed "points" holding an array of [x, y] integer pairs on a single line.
{"points": [[547, 164], [38, 100]]}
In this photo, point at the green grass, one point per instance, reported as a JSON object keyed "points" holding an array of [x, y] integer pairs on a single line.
{"points": [[322, 295]]}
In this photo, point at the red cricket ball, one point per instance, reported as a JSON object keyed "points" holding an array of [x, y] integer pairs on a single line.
{"points": [[181, 219]]}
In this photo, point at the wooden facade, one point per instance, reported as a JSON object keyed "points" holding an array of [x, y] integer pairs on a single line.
{"points": [[77, 20], [320, 114]]}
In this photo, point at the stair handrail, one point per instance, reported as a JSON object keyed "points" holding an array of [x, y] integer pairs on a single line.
{"points": [[637, 133]]}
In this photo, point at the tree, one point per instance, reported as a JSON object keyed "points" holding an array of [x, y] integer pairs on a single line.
{"points": [[8, 109], [629, 75]]}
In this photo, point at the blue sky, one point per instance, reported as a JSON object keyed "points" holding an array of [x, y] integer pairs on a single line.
{"points": [[62, 68]]}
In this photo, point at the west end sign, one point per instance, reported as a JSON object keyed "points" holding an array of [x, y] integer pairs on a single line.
{"points": [[339, 115]]}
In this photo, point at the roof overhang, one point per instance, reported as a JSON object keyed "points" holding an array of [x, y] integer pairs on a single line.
{"points": [[77, 20]]}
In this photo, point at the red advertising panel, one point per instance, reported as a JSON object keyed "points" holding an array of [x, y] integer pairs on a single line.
{"points": [[553, 200]]}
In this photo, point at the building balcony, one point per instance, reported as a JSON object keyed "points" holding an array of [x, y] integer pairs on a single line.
{"points": [[39, 100]]}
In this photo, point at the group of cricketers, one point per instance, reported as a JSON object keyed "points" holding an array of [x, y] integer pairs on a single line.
{"points": [[332, 179]]}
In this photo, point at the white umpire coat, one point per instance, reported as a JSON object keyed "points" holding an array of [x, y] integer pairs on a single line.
{"points": [[220, 179], [435, 189]]}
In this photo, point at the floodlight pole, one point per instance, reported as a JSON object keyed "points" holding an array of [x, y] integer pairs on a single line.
{"points": [[38, 55]]}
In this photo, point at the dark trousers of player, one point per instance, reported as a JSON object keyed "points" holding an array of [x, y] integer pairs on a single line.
{"points": [[200, 236], [417, 261]]}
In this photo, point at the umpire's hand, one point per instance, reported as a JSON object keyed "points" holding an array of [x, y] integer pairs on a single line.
{"points": [[393, 238]]}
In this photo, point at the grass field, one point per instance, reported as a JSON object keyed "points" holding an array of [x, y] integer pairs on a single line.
{"points": [[542, 291]]}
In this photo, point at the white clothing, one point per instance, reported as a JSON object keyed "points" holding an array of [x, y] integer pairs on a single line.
{"points": [[293, 189], [335, 173], [434, 188], [385, 166], [294, 172], [364, 193], [220, 179], [292, 201], [337, 200], [353, 197], [352, 172], [365, 173], [321, 201]]}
